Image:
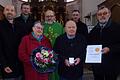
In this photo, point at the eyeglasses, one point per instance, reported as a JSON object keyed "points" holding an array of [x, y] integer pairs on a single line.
{"points": [[104, 13]]}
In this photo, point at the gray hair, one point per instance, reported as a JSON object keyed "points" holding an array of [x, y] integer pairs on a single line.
{"points": [[102, 7], [36, 22]]}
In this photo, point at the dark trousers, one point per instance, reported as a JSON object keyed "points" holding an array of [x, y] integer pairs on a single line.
{"points": [[103, 76], [101, 73], [63, 78], [18, 78]]}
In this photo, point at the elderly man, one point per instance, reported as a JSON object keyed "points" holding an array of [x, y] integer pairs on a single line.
{"points": [[52, 30], [11, 67], [71, 48], [106, 34]]}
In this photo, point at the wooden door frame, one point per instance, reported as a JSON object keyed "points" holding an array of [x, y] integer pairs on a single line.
{"points": [[1, 12]]}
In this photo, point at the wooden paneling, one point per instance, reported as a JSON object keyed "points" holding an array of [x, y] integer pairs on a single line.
{"points": [[1, 13], [116, 13], [39, 8], [114, 6]]}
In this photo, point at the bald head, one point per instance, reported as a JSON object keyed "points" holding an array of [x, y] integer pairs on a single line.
{"points": [[49, 12], [70, 28], [9, 12]]}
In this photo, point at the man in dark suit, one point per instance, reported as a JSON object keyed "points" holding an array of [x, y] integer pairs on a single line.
{"points": [[71, 48], [11, 67], [81, 27], [25, 21], [106, 33]]}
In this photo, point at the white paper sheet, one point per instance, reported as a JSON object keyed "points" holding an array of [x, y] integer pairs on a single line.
{"points": [[94, 54], [71, 60]]}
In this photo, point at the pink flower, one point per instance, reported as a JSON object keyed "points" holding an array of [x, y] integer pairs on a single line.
{"points": [[51, 55], [45, 60], [42, 60], [38, 54], [49, 51], [49, 60]]}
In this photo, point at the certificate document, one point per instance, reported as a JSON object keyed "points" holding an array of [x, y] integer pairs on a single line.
{"points": [[94, 54]]}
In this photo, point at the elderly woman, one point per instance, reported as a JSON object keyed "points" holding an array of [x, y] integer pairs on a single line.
{"points": [[28, 44]]}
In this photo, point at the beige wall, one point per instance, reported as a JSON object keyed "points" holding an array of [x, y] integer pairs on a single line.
{"points": [[89, 7], [86, 7], [75, 5]]}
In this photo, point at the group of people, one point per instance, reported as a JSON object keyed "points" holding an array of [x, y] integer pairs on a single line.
{"points": [[20, 36], [11, 32]]}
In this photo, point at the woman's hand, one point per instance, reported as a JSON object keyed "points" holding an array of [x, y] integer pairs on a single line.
{"points": [[8, 70]]}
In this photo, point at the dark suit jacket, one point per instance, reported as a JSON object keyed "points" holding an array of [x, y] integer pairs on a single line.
{"points": [[24, 28], [82, 29], [9, 49], [66, 48], [109, 36]]}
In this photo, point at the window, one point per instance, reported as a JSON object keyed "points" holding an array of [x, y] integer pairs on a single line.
{"points": [[40, 0], [68, 0], [25, 0]]}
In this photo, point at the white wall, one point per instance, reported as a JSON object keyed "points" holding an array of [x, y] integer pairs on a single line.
{"points": [[5, 2], [89, 6]]}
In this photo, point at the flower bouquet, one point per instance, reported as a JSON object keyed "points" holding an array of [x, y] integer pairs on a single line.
{"points": [[44, 60]]}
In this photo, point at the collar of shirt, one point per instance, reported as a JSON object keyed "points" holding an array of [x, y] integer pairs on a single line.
{"points": [[102, 25], [25, 17], [70, 37], [37, 38]]}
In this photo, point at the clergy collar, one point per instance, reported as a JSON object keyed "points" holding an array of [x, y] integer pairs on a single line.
{"points": [[70, 37]]}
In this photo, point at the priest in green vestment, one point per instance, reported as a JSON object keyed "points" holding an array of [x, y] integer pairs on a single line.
{"points": [[52, 30]]}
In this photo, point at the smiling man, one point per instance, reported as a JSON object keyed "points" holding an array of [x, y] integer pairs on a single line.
{"points": [[106, 33], [71, 48], [52, 29], [11, 66]]}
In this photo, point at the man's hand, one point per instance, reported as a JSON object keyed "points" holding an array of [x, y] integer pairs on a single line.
{"points": [[105, 50], [77, 61], [67, 63], [8, 70]]}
